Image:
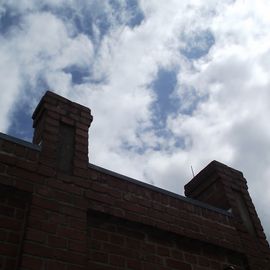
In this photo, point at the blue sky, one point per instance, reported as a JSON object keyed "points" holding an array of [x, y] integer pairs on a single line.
{"points": [[170, 83]]}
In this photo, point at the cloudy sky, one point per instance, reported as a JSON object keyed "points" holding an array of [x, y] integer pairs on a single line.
{"points": [[171, 84]]}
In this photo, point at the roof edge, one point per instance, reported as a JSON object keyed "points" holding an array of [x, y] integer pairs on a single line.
{"points": [[160, 190], [19, 141]]}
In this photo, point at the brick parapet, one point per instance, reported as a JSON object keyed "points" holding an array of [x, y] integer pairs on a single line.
{"points": [[218, 184], [159, 209], [63, 203], [105, 193]]}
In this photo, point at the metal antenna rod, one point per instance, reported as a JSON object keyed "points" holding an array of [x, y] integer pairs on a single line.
{"points": [[192, 171]]}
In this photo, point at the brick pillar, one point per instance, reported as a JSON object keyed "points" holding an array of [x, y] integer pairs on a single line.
{"points": [[61, 129], [226, 188]]}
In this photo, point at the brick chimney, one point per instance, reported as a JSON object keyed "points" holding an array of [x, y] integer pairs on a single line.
{"points": [[61, 129], [226, 188]]}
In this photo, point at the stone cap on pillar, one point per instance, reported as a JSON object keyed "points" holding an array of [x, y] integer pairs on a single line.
{"points": [[61, 129]]}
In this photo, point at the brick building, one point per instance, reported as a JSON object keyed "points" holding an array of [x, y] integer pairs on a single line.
{"points": [[57, 211]]}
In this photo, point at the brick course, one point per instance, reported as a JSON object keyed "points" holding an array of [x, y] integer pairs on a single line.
{"points": [[57, 211]]}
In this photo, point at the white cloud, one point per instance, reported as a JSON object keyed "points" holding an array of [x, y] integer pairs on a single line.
{"points": [[226, 92], [231, 125], [10, 84], [39, 48]]}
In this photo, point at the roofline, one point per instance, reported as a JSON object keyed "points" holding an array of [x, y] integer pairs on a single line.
{"points": [[19, 141], [126, 178], [160, 190]]}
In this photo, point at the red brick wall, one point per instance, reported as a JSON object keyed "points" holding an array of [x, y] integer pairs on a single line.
{"points": [[225, 187], [115, 243], [13, 213], [75, 215]]}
